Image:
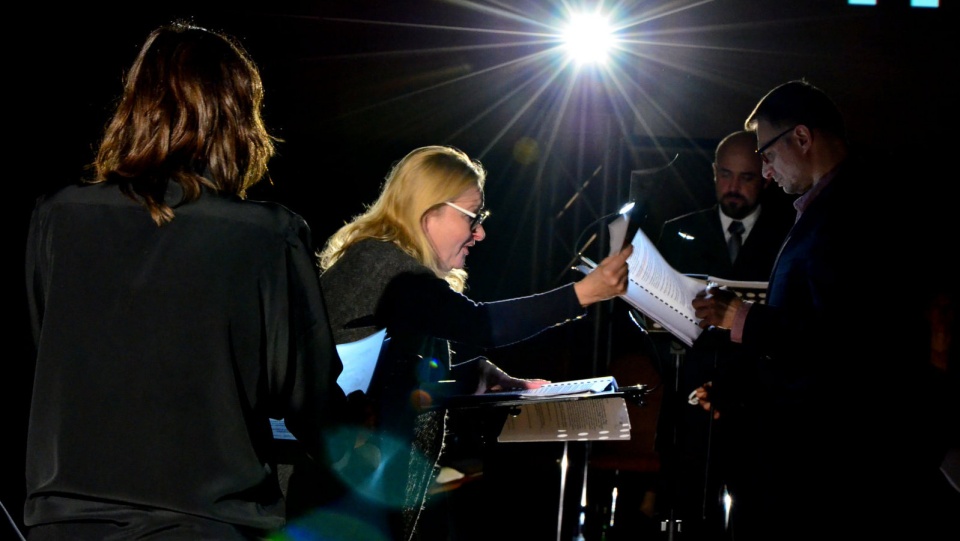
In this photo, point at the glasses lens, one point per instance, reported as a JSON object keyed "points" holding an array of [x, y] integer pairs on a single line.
{"points": [[762, 151], [481, 216]]}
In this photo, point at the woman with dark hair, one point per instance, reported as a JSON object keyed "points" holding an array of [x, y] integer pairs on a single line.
{"points": [[172, 318]]}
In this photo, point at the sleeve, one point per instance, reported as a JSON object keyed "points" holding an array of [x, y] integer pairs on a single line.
{"points": [[807, 325], [821, 299], [34, 272], [736, 331], [306, 376], [421, 304]]}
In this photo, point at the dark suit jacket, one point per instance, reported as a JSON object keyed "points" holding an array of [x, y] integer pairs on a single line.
{"points": [[702, 249], [694, 243], [833, 332]]}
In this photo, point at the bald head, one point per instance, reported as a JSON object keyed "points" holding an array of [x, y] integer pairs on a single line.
{"points": [[742, 141], [737, 172]]}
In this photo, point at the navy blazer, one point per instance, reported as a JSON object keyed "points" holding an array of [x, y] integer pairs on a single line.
{"points": [[834, 331]]}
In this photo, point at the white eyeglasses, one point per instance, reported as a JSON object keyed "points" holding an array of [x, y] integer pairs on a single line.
{"points": [[476, 218]]}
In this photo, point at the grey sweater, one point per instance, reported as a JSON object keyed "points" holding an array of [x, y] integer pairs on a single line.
{"points": [[376, 285]]}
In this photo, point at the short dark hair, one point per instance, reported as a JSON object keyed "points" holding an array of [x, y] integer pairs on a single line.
{"points": [[798, 102]]}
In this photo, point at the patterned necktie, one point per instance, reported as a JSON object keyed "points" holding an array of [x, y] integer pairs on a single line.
{"points": [[736, 239]]}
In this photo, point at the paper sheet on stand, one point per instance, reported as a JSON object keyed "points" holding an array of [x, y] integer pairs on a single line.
{"points": [[569, 420], [359, 361]]}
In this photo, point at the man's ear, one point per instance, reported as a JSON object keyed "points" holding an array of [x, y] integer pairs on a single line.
{"points": [[803, 135]]}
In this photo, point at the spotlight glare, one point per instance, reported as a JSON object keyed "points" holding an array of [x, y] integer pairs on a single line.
{"points": [[588, 38]]}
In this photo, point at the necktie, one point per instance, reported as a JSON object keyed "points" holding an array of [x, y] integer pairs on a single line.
{"points": [[736, 239]]}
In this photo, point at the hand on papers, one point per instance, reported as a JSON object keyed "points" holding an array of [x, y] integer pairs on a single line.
{"points": [[607, 281], [493, 379], [716, 307]]}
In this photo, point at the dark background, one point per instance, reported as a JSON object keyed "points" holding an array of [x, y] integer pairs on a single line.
{"points": [[352, 86]]}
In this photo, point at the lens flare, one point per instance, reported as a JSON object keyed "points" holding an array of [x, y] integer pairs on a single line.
{"points": [[588, 38]]}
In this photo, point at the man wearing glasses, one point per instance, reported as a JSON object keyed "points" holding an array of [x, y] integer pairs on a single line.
{"points": [[693, 455], [823, 462]]}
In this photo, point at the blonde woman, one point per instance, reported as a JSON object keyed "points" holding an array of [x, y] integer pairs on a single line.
{"points": [[399, 266]]}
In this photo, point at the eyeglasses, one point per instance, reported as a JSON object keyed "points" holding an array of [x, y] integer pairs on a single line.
{"points": [[762, 150], [476, 218]]}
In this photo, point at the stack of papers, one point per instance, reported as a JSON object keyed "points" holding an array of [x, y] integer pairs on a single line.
{"points": [[566, 388]]}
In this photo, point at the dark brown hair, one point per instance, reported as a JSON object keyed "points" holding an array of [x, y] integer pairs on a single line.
{"points": [[798, 102], [189, 113]]}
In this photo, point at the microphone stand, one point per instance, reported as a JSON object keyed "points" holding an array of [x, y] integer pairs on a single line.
{"points": [[622, 211]]}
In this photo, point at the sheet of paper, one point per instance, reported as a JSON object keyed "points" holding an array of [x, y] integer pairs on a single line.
{"points": [[618, 233], [651, 270], [280, 431], [655, 288], [738, 284], [359, 361], [661, 293], [569, 420], [559, 388]]}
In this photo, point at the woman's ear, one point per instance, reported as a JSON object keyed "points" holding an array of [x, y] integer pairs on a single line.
{"points": [[427, 220]]}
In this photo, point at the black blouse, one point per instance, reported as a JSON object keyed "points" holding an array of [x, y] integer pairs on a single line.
{"points": [[163, 353]]}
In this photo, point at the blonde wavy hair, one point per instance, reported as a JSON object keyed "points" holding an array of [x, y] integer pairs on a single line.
{"points": [[420, 182]]}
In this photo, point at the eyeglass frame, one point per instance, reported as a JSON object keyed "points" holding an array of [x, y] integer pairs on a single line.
{"points": [[476, 218], [766, 146]]}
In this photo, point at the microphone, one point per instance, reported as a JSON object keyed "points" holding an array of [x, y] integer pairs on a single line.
{"points": [[636, 205], [622, 211], [579, 192]]}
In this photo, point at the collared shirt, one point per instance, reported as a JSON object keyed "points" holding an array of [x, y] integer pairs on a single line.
{"points": [[801, 204], [747, 222]]}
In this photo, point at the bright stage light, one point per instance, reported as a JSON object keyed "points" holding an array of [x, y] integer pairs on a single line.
{"points": [[588, 38]]}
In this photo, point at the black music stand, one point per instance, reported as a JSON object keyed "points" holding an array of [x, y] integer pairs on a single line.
{"points": [[495, 421]]}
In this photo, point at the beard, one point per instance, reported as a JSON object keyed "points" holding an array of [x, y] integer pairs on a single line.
{"points": [[735, 206]]}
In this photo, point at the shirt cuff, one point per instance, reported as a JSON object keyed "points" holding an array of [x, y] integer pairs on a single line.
{"points": [[739, 319]]}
